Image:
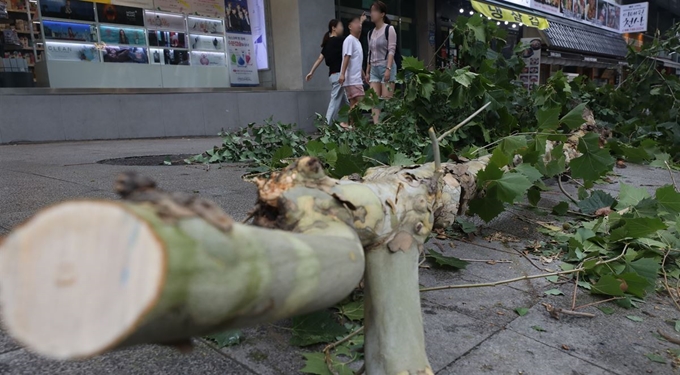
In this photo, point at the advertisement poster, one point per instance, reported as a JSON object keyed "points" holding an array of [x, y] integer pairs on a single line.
{"points": [[207, 43], [531, 54], [550, 6], [126, 55], [167, 39], [144, 4], [634, 18], [120, 15], [155, 20], [208, 58], [613, 16], [122, 36], [237, 16], [173, 6], [242, 66], [169, 57], [69, 31], [205, 26], [207, 8], [259, 32], [67, 9], [71, 52]]}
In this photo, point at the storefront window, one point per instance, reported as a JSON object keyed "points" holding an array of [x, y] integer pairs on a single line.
{"points": [[153, 44]]}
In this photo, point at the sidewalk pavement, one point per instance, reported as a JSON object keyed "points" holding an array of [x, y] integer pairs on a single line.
{"points": [[468, 331]]}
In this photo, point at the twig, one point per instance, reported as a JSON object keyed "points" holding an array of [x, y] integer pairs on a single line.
{"points": [[573, 297], [668, 337], [510, 281], [665, 280], [597, 303], [329, 347], [559, 183], [374, 160], [486, 260], [670, 171], [448, 132], [437, 154], [556, 311], [571, 212]]}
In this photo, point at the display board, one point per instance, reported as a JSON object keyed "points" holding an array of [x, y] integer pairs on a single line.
{"points": [[531, 54], [240, 48], [605, 14]]}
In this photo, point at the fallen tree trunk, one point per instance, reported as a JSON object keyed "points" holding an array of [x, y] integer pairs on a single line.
{"points": [[81, 278]]}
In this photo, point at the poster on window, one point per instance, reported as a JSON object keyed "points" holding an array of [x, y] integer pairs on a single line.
{"points": [[126, 55], [67, 9], [207, 58], [122, 36], [207, 8], [163, 21], [242, 64], [550, 6], [531, 54], [237, 16], [71, 52], [70, 31], [634, 18], [259, 32], [120, 15]]}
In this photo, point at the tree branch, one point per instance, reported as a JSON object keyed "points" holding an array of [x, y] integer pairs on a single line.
{"points": [[463, 123]]}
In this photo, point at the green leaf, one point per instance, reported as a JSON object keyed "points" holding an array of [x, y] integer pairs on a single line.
{"points": [[552, 279], [315, 363], [400, 159], [280, 154], [634, 318], [464, 77], [510, 145], [677, 326], [466, 226], [608, 285], [574, 119], [548, 118], [521, 311], [509, 188], [315, 148], [594, 161], [315, 328], [538, 328], [655, 358], [637, 228], [636, 284], [348, 164], [530, 172], [486, 208], [412, 63], [561, 208], [630, 196], [534, 195], [598, 199], [446, 262], [224, 339], [553, 292], [353, 310], [648, 268], [669, 199], [607, 310]]}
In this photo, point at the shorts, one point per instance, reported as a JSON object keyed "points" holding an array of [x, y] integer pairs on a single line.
{"points": [[354, 91], [378, 73]]}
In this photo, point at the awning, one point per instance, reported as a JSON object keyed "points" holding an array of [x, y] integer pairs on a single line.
{"points": [[668, 63], [510, 15], [569, 59], [582, 38]]}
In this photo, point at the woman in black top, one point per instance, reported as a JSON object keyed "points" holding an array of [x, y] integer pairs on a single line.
{"points": [[331, 51]]}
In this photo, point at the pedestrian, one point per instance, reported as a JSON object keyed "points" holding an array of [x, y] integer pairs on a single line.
{"points": [[331, 52], [351, 73], [382, 68]]}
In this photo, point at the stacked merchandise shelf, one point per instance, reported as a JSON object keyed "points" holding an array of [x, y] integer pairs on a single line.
{"points": [[22, 45]]}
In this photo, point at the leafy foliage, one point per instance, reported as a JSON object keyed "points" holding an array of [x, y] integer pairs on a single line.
{"points": [[224, 339]]}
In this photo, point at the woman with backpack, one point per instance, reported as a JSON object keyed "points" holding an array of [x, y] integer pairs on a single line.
{"points": [[382, 49]]}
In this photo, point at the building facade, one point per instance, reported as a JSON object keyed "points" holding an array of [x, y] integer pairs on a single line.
{"points": [[115, 69]]}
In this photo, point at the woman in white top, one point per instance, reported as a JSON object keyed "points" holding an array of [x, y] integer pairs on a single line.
{"points": [[382, 45]]}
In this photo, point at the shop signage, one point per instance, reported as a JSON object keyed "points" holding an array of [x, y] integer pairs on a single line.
{"points": [[590, 59], [531, 54], [144, 4], [555, 54], [524, 3], [634, 18], [502, 14], [121, 15]]}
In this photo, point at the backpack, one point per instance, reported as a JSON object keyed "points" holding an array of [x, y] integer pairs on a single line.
{"points": [[397, 52]]}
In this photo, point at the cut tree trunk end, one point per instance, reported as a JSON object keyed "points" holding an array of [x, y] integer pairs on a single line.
{"points": [[81, 278]]}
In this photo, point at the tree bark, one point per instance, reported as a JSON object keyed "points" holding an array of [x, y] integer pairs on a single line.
{"points": [[81, 278]]}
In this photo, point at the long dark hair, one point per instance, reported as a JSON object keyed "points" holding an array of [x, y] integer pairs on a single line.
{"points": [[331, 24], [382, 8]]}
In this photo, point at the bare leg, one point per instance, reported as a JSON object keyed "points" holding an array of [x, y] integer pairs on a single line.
{"points": [[378, 88]]}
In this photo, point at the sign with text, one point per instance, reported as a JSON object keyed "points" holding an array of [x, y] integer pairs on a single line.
{"points": [[502, 14], [634, 18], [71, 52], [241, 59], [121, 15]]}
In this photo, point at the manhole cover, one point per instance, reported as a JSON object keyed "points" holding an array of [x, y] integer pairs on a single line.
{"points": [[150, 160]]}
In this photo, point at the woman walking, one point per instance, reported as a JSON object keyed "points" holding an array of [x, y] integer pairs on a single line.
{"points": [[331, 52], [382, 46]]}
